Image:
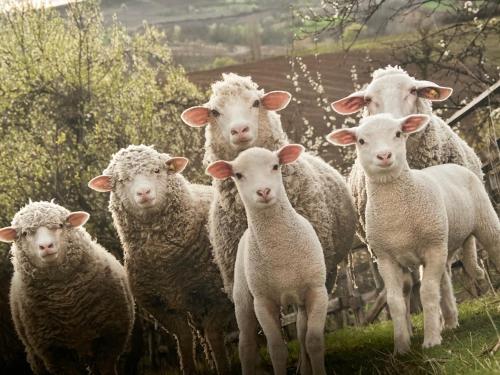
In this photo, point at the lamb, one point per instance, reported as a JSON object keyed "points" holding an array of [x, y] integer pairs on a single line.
{"points": [[418, 217], [239, 116], [161, 221], [279, 262], [393, 91], [70, 299]]}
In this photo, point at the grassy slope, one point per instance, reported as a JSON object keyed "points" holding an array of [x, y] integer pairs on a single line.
{"points": [[367, 350]]}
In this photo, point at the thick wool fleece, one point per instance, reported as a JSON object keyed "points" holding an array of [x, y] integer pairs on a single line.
{"points": [[80, 308], [436, 145], [168, 255], [315, 189]]}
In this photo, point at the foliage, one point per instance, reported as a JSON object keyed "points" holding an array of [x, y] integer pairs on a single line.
{"points": [[73, 92]]}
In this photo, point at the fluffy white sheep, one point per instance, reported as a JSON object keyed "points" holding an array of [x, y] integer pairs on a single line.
{"points": [[276, 265], [238, 116], [393, 91], [70, 299], [418, 217], [161, 220]]}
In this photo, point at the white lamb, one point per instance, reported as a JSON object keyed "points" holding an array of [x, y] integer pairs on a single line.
{"points": [[279, 262], [418, 217], [393, 91]]}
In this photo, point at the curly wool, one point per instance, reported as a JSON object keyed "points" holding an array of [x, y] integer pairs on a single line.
{"points": [[437, 144], [315, 189], [168, 255], [76, 303]]}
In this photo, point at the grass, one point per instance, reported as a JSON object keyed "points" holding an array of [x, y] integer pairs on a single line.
{"points": [[465, 350]]}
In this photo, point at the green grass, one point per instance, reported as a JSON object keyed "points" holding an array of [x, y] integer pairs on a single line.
{"points": [[368, 350]]}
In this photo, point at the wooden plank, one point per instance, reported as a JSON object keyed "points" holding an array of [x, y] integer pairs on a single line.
{"points": [[469, 107]]}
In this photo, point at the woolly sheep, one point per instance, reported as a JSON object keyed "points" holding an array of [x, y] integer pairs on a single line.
{"points": [[238, 116], [418, 217], [276, 265], [393, 91], [161, 220], [70, 300]]}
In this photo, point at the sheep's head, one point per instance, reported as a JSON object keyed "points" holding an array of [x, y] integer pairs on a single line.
{"points": [[139, 177], [381, 142], [233, 111], [257, 173], [40, 231], [392, 91]]}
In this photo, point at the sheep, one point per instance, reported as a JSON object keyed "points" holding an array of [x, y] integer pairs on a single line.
{"points": [[239, 116], [279, 262], [70, 299], [393, 91], [161, 221], [418, 217]]}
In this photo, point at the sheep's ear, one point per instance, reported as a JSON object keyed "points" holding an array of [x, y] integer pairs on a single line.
{"points": [[276, 100], [350, 104], [342, 137], [432, 91], [101, 184], [289, 153], [220, 170], [176, 164], [196, 116], [8, 234], [414, 123], [77, 219]]}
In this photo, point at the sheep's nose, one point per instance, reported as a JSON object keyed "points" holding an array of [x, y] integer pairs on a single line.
{"points": [[46, 246], [384, 155], [239, 130], [143, 192], [264, 193]]}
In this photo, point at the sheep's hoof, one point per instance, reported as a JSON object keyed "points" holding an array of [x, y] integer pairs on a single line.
{"points": [[452, 324], [429, 343], [401, 348]]}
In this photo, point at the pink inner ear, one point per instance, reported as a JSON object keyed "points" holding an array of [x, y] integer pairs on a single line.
{"points": [[342, 137], [289, 153], [7, 234], [349, 105], [220, 170], [413, 123], [195, 116], [276, 100], [177, 164], [101, 183], [77, 219]]}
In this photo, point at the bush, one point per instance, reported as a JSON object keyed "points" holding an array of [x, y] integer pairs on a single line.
{"points": [[72, 93]]}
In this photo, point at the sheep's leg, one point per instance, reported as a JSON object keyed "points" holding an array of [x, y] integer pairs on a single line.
{"points": [[268, 315], [59, 360], [36, 363], [178, 326], [393, 277], [448, 302], [316, 305], [435, 266], [215, 338], [469, 257], [488, 233], [407, 292], [301, 323]]}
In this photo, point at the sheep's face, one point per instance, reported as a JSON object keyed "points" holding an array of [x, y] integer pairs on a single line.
{"points": [[40, 231], [140, 178], [397, 94], [257, 174], [234, 110], [381, 143]]}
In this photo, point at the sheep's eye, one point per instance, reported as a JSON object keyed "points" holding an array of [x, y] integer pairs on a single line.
{"points": [[238, 176], [398, 134], [361, 141], [215, 113], [275, 167], [256, 103], [24, 234], [368, 100], [413, 91], [60, 226], [157, 170]]}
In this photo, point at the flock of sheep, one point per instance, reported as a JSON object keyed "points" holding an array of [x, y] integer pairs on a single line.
{"points": [[269, 232]]}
